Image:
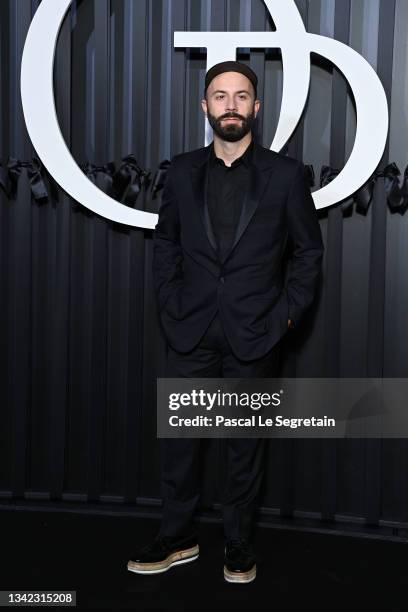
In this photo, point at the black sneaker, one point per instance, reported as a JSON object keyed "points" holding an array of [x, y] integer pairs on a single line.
{"points": [[161, 554], [239, 561]]}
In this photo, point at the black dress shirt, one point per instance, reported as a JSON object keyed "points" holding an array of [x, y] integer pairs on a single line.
{"points": [[225, 196]]}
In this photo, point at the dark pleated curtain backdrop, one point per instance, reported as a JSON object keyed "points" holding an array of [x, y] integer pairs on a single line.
{"points": [[81, 344]]}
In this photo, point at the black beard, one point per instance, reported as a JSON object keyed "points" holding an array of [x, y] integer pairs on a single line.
{"points": [[231, 131]]}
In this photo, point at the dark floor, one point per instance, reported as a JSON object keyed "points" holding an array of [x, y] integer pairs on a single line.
{"points": [[66, 551]]}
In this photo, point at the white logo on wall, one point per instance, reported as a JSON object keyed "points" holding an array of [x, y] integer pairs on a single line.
{"points": [[296, 44]]}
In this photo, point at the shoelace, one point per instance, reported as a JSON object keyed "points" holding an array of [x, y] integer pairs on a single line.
{"points": [[160, 541], [238, 544]]}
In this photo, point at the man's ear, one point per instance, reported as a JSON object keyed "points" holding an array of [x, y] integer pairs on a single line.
{"points": [[257, 106], [204, 105]]}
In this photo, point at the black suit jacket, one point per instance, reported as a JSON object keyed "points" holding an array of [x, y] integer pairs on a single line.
{"points": [[246, 286]]}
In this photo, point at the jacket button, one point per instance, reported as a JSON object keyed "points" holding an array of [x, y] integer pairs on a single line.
{"points": [[222, 279]]}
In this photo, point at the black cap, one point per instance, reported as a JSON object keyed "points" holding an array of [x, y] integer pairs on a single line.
{"points": [[230, 66]]}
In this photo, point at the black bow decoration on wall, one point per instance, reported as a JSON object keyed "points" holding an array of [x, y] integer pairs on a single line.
{"points": [[159, 177], [327, 174], [397, 196], [130, 181], [126, 185], [11, 171], [155, 191], [101, 176], [310, 175], [134, 186]]}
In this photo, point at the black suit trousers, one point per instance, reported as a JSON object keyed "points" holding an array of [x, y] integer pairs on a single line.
{"points": [[212, 357]]}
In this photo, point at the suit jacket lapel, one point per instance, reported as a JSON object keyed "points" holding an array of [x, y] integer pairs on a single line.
{"points": [[258, 180], [199, 180]]}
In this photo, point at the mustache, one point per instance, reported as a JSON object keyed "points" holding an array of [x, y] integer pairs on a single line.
{"points": [[231, 116]]}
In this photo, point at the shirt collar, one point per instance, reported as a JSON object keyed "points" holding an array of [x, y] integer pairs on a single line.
{"points": [[245, 158]]}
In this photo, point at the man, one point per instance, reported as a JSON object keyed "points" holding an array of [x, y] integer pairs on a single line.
{"points": [[226, 214]]}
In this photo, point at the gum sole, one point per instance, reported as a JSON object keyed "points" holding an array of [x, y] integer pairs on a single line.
{"points": [[238, 578], [177, 558]]}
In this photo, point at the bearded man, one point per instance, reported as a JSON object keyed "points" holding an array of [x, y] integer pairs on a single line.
{"points": [[227, 211]]}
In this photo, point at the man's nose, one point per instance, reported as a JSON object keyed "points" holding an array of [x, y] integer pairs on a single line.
{"points": [[231, 108]]}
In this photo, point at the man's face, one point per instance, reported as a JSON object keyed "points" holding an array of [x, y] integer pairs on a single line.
{"points": [[230, 105]]}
